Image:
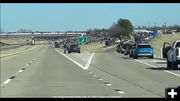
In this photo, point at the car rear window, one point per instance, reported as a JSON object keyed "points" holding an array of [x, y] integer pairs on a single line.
{"points": [[74, 45], [177, 44], [144, 46]]}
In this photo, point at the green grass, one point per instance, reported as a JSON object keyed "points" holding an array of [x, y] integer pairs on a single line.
{"points": [[157, 42]]}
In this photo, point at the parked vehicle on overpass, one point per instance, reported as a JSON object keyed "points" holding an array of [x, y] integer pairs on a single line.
{"points": [[173, 54], [143, 50]]}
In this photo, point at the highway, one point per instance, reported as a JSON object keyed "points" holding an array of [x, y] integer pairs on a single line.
{"points": [[48, 72]]}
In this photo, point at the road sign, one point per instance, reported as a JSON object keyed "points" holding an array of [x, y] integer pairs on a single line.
{"points": [[82, 39]]}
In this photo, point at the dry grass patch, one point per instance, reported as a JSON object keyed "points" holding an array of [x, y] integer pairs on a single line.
{"points": [[157, 42], [91, 47]]}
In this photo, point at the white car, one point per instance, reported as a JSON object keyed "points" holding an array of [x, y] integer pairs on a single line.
{"points": [[172, 54], [117, 41]]}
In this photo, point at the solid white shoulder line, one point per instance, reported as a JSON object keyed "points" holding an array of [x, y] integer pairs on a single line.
{"points": [[89, 61], [157, 67], [71, 59]]}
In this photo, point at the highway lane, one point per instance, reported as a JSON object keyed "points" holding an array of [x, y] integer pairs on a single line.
{"points": [[54, 75], [109, 74], [12, 64], [135, 75]]}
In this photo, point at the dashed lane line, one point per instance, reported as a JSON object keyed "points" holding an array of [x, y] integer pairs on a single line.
{"points": [[20, 71], [27, 65], [7, 81], [86, 67], [119, 91], [107, 84]]}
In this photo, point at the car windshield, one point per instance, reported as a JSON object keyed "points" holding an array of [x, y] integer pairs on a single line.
{"points": [[177, 44], [144, 46]]}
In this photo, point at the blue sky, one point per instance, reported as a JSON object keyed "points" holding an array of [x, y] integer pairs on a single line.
{"points": [[83, 16]]}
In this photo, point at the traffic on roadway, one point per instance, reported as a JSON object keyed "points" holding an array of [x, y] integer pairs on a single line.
{"points": [[50, 71], [122, 61]]}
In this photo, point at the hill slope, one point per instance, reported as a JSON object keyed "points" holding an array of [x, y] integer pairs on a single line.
{"points": [[157, 42]]}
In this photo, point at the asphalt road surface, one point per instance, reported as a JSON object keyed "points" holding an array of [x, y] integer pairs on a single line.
{"points": [[48, 72]]}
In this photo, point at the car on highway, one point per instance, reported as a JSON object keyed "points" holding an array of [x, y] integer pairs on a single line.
{"points": [[172, 54], [74, 48], [117, 41], [127, 49], [131, 50], [56, 44], [143, 50], [119, 48]]}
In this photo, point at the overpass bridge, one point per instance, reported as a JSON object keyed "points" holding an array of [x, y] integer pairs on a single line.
{"points": [[40, 36]]}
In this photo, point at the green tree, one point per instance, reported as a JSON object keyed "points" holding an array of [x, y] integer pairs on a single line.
{"points": [[122, 28], [115, 31], [127, 27]]}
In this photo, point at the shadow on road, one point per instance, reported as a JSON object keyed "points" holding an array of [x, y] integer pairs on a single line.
{"points": [[161, 62], [162, 68]]}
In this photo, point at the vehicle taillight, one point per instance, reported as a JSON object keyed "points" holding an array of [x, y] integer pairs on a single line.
{"points": [[177, 52]]}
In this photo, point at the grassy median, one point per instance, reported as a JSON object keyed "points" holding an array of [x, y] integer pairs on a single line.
{"points": [[92, 47], [12, 40], [157, 42], [95, 47]]}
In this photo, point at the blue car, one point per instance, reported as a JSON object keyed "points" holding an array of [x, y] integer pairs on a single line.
{"points": [[143, 50]]}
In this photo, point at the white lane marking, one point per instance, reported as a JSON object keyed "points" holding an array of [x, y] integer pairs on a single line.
{"points": [[100, 79], [20, 71], [7, 81], [145, 63], [89, 61], [157, 67], [94, 75], [108, 84], [121, 92], [172, 73], [71, 60]]}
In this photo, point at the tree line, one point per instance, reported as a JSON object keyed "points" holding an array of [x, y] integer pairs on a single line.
{"points": [[121, 28]]}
